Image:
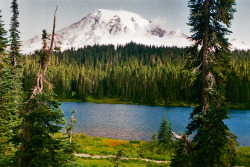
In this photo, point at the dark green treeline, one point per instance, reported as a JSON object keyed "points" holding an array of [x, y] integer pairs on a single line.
{"points": [[136, 73], [238, 80]]}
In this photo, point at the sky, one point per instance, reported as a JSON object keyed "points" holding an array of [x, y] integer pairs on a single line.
{"points": [[36, 15]]}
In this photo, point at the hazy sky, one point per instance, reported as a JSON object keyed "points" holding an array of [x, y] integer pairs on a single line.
{"points": [[36, 15]]}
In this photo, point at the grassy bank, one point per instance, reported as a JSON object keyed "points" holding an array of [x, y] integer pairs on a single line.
{"points": [[119, 101], [132, 149], [109, 101], [243, 106]]}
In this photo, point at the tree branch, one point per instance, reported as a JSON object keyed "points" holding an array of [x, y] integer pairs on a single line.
{"points": [[44, 63]]}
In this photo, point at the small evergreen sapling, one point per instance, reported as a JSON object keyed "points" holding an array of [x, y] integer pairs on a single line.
{"points": [[71, 124], [70, 144], [165, 134]]}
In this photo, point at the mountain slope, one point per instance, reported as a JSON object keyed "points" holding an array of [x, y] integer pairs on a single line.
{"points": [[112, 27]]}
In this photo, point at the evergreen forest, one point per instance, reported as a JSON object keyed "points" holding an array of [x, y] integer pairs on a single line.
{"points": [[134, 73]]}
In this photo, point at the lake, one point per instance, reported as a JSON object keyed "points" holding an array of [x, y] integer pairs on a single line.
{"points": [[138, 122]]}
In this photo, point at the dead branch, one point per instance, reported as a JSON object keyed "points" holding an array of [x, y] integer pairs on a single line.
{"points": [[177, 136], [44, 63], [186, 142]]}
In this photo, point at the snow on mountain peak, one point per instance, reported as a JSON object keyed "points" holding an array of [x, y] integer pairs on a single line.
{"points": [[103, 22], [111, 27], [117, 27]]}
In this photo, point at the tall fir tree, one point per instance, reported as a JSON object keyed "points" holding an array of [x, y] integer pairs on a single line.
{"points": [[16, 62], [14, 35], [213, 143], [8, 101], [15, 57]]}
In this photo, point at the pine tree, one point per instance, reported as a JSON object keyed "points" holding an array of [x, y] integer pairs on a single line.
{"points": [[14, 35], [165, 134], [70, 146], [8, 101], [15, 56], [42, 119], [71, 125], [3, 33], [213, 143], [182, 156], [16, 60]]}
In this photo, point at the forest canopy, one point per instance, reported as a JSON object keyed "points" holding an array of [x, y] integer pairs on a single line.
{"points": [[136, 73]]}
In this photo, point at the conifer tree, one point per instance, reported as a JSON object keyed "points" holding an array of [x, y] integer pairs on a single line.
{"points": [[71, 125], [70, 146], [3, 33], [16, 61], [42, 119], [165, 133], [15, 56], [213, 143], [14, 35], [4, 72], [8, 101]]}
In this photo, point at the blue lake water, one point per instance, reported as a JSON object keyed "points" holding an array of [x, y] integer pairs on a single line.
{"points": [[138, 122]]}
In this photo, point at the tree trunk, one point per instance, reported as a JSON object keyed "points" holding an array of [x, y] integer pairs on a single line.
{"points": [[38, 88], [205, 61]]}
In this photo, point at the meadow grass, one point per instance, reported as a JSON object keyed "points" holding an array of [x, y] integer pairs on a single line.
{"points": [[108, 100], [243, 156], [107, 146], [109, 162], [132, 149]]}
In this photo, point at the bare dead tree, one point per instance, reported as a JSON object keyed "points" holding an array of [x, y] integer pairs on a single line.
{"points": [[47, 52], [186, 141]]}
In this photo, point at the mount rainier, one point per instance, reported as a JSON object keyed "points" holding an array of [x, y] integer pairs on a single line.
{"points": [[111, 27]]}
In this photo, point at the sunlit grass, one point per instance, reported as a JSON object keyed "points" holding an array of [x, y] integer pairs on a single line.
{"points": [[243, 156], [106, 146], [108, 100], [87, 162], [131, 149], [114, 142]]}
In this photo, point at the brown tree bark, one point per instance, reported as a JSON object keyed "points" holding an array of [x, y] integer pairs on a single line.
{"points": [[205, 61]]}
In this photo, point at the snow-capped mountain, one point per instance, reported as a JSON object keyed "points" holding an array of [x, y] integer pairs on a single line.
{"points": [[112, 27]]}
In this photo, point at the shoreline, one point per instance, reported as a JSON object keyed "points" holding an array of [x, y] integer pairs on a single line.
{"points": [[241, 106]]}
